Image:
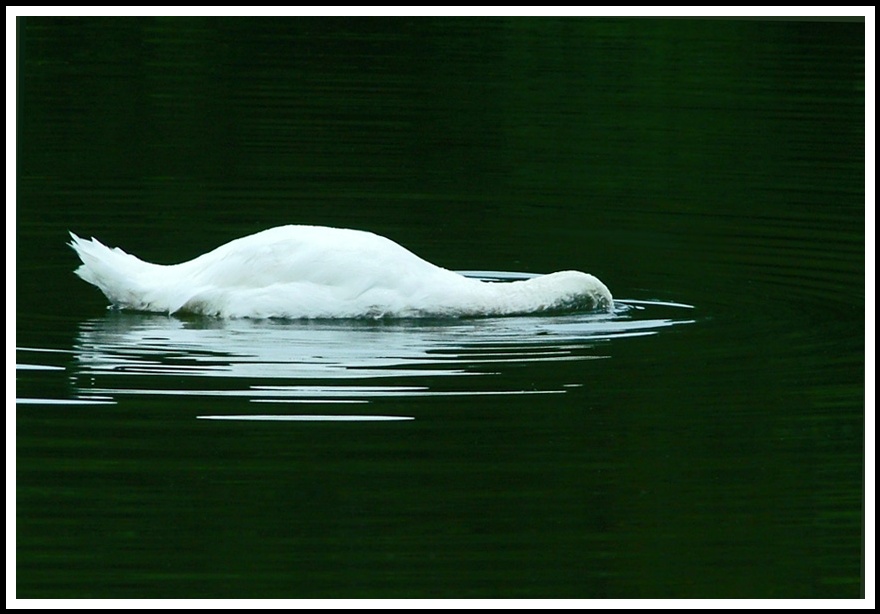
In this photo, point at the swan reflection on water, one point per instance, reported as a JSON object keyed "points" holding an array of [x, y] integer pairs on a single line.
{"points": [[348, 362]]}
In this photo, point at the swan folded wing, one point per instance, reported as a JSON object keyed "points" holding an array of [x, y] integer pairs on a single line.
{"points": [[303, 299], [351, 261]]}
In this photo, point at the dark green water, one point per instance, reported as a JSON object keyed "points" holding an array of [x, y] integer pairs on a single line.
{"points": [[704, 440]]}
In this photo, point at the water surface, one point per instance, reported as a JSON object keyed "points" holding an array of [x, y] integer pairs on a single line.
{"points": [[705, 439]]}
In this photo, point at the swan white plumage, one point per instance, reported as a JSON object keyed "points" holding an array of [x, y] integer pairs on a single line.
{"points": [[320, 272]]}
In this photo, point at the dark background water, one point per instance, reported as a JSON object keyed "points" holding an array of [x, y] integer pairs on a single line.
{"points": [[712, 451]]}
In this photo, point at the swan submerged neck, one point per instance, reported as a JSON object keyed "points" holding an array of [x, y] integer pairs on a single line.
{"points": [[564, 291]]}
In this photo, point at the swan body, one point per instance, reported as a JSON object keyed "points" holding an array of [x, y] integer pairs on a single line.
{"points": [[320, 272]]}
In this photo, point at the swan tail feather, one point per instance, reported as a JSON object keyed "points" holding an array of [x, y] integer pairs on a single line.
{"points": [[123, 278]]}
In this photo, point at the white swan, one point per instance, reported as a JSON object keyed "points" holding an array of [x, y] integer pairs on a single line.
{"points": [[319, 272]]}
